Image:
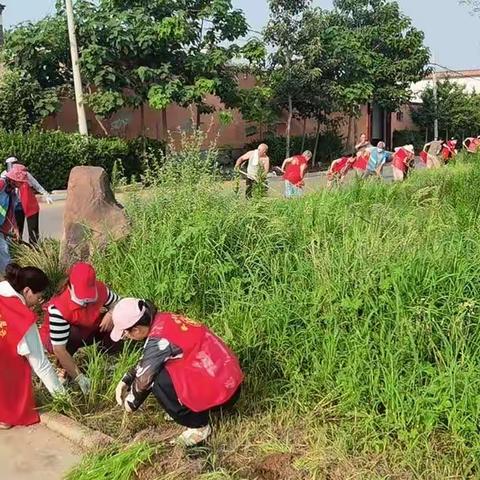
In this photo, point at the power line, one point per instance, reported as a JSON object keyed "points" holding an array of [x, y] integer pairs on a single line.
{"points": [[458, 72]]}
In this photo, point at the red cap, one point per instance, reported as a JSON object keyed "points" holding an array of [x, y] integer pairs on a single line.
{"points": [[83, 281]]}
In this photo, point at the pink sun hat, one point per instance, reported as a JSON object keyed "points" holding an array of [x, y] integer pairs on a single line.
{"points": [[125, 315], [18, 173]]}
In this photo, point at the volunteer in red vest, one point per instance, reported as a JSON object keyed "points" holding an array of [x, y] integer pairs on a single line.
{"points": [[28, 206], [189, 370], [339, 168], [449, 151], [472, 144], [78, 316], [21, 350], [294, 169], [401, 162], [361, 162]]}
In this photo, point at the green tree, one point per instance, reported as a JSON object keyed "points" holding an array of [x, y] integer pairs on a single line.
{"points": [[458, 111], [134, 52], [396, 55], [286, 66], [23, 102]]}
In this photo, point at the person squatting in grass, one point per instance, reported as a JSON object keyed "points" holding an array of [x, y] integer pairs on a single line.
{"points": [[189, 370], [258, 164], [79, 316], [339, 169], [402, 162], [26, 204], [21, 349], [378, 157], [294, 169]]}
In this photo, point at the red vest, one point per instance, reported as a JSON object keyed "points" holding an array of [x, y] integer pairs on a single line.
{"points": [[424, 156], [474, 145], [17, 404], [208, 374], [293, 170], [28, 200], [399, 158], [87, 318], [362, 161]]}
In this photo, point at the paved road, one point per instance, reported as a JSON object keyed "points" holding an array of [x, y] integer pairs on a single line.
{"points": [[35, 453], [51, 220]]}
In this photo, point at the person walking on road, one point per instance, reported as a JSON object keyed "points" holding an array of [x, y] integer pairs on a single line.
{"points": [[8, 224], [26, 204], [190, 371], [257, 168], [21, 350]]}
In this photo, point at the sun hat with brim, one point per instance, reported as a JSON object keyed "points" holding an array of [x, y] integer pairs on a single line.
{"points": [[18, 173], [11, 160], [83, 282], [126, 314], [409, 148]]}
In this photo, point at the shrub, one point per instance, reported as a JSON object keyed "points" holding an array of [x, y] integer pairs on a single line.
{"points": [[406, 137], [50, 155]]}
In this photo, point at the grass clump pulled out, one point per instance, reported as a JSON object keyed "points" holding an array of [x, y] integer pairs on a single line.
{"points": [[354, 313]]}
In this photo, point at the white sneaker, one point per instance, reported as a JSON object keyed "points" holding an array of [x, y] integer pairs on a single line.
{"points": [[194, 436]]}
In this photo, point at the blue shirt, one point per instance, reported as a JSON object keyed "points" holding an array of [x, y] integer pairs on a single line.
{"points": [[377, 159]]}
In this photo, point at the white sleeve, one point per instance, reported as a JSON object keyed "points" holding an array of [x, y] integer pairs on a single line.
{"points": [[33, 182], [31, 347]]}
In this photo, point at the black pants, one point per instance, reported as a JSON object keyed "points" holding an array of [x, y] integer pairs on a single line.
{"points": [[32, 225], [79, 339], [254, 185], [164, 392], [250, 183]]}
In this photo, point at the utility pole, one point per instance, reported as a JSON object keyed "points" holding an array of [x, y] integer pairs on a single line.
{"points": [[435, 100], [77, 78], [2, 8]]}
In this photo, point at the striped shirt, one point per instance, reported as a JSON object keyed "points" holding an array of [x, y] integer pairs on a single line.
{"points": [[60, 328]]}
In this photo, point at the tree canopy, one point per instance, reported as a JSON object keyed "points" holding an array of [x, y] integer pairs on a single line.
{"points": [[133, 52], [458, 111]]}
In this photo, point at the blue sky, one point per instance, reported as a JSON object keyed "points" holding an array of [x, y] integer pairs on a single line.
{"points": [[452, 32]]}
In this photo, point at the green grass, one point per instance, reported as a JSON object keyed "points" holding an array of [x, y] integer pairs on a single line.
{"points": [[114, 463], [354, 312]]}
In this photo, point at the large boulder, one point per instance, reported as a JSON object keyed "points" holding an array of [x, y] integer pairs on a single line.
{"points": [[92, 215]]}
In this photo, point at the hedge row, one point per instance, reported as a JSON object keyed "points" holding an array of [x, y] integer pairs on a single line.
{"points": [[50, 155]]}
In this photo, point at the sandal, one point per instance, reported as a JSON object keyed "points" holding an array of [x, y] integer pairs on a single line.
{"points": [[5, 426]]}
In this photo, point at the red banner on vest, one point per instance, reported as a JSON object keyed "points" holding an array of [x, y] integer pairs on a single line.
{"points": [[208, 374], [17, 404]]}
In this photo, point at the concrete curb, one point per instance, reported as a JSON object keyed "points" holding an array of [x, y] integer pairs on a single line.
{"points": [[74, 431]]}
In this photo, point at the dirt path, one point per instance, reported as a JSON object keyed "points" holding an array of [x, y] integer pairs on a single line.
{"points": [[35, 453]]}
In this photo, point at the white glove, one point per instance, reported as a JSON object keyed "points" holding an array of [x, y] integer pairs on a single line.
{"points": [[48, 198], [126, 405], [121, 392], [83, 383]]}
